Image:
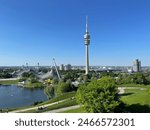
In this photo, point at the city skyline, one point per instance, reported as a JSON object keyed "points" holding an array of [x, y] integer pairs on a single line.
{"points": [[34, 31]]}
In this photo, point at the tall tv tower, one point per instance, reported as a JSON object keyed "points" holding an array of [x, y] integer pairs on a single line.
{"points": [[87, 42]]}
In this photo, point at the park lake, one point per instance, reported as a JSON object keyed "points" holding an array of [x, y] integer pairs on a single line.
{"points": [[12, 96]]}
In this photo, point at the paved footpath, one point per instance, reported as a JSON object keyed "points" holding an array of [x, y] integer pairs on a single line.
{"points": [[9, 79], [63, 109], [122, 89], [35, 108]]}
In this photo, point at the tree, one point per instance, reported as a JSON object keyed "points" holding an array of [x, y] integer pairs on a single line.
{"points": [[98, 95], [55, 80], [50, 91], [63, 87], [139, 78]]}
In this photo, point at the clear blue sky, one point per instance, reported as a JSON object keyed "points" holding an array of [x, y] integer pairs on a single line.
{"points": [[37, 30]]}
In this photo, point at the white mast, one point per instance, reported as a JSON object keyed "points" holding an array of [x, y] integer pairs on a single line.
{"points": [[56, 70]]}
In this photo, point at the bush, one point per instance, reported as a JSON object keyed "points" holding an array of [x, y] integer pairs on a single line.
{"points": [[37, 102]]}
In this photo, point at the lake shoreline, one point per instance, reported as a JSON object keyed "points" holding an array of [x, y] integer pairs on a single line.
{"points": [[19, 96], [15, 81], [8, 79]]}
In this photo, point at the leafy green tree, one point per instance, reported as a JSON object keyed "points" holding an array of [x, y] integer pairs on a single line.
{"points": [[98, 95], [55, 80], [50, 91], [140, 78], [28, 75], [111, 74], [63, 87], [34, 80]]}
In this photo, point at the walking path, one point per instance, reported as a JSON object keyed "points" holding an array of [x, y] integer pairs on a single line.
{"points": [[122, 89], [63, 109], [36, 108], [7, 79]]}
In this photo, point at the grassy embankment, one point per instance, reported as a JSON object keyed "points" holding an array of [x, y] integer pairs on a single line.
{"points": [[34, 85], [137, 100], [9, 82], [66, 103], [26, 85], [59, 98], [136, 96], [66, 96]]}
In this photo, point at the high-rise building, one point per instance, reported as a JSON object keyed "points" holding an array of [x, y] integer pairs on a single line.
{"points": [[136, 65], [61, 67], [27, 65], [86, 42], [38, 65]]}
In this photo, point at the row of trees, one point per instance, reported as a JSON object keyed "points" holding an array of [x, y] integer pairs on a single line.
{"points": [[125, 78], [7, 72], [120, 78], [5, 75], [137, 78]]}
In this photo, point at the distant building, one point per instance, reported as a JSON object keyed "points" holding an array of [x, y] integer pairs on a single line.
{"points": [[61, 67], [68, 67], [136, 66], [129, 70]]}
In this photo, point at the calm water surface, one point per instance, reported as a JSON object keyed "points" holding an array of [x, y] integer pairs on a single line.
{"points": [[13, 96]]}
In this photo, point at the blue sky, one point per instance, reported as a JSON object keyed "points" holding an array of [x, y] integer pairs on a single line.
{"points": [[38, 30]]}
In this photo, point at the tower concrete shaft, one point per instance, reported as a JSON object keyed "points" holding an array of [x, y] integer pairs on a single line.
{"points": [[87, 42], [87, 60]]}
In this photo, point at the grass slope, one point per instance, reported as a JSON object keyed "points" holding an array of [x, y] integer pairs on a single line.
{"points": [[137, 100], [9, 82], [67, 103], [134, 96]]}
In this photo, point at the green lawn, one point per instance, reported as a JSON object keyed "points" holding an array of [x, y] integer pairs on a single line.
{"points": [[27, 85], [136, 100], [34, 85], [9, 82], [134, 96], [59, 98], [67, 103]]}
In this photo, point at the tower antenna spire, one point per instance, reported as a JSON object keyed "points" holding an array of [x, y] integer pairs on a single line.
{"points": [[86, 23]]}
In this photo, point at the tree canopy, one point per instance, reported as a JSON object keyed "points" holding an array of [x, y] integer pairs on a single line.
{"points": [[63, 87], [98, 95]]}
